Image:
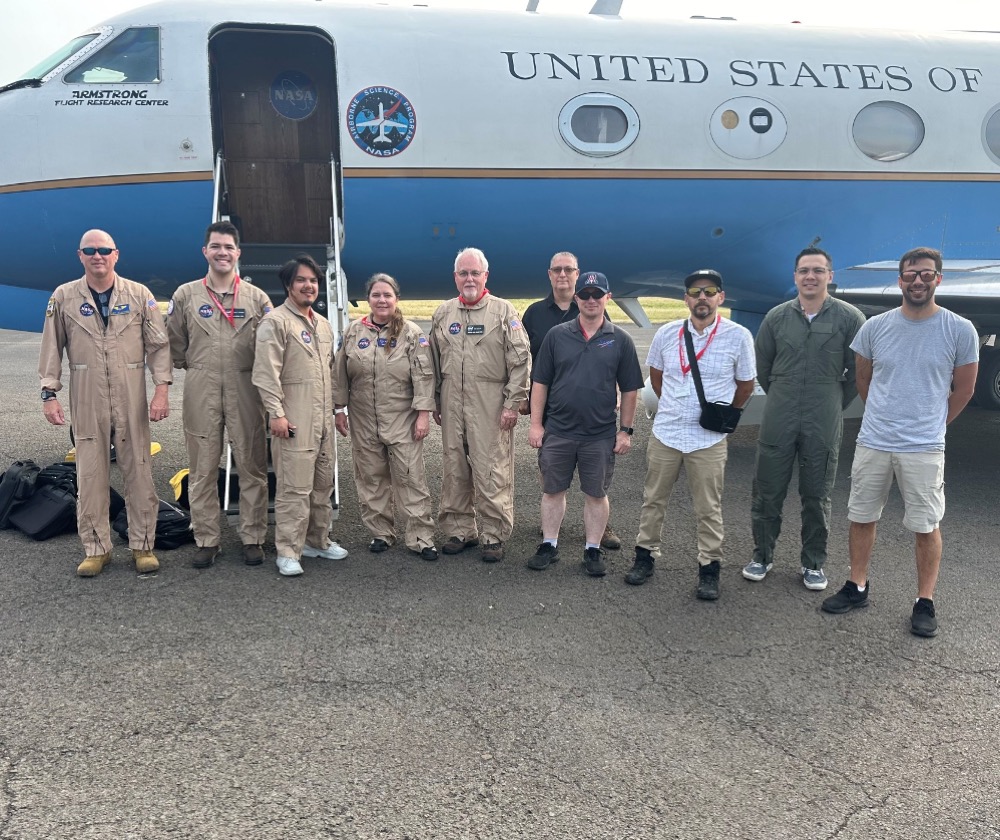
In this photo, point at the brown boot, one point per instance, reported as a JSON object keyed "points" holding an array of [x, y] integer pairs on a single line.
{"points": [[92, 566], [145, 561], [610, 539]]}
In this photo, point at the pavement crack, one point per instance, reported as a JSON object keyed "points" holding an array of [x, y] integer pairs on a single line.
{"points": [[6, 790], [855, 811]]}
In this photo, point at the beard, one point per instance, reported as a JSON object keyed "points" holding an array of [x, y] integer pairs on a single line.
{"points": [[918, 303]]}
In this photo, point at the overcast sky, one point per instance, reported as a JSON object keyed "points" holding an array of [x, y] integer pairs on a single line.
{"points": [[33, 30]]}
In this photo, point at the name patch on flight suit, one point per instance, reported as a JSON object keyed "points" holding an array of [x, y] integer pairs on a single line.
{"points": [[364, 343], [86, 310], [306, 337], [239, 313], [120, 309], [206, 311], [475, 329]]}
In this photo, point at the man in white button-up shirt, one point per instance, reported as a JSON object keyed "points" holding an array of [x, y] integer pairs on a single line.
{"points": [[725, 357]]}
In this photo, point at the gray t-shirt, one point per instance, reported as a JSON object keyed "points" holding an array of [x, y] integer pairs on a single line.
{"points": [[913, 365]]}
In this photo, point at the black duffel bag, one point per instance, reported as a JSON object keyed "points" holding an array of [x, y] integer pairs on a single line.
{"points": [[173, 526]]}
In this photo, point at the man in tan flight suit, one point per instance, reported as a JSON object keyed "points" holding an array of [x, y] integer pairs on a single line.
{"points": [[212, 324], [482, 361], [110, 329], [292, 370]]}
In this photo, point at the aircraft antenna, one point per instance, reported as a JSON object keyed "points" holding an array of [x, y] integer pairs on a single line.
{"points": [[607, 7], [532, 6]]}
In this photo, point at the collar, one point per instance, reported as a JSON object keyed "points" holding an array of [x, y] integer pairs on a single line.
{"points": [[476, 303]]}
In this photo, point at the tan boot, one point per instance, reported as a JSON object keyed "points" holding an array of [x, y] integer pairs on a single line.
{"points": [[145, 561], [92, 566]]}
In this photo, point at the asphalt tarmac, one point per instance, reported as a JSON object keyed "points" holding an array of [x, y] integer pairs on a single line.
{"points": [[387, 697]]}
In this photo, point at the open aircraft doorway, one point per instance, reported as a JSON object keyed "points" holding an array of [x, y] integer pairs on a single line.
{"points": [[274, 124]]}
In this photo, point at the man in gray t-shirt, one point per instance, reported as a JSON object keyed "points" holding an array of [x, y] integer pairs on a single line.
{"points": [[916, 370]]}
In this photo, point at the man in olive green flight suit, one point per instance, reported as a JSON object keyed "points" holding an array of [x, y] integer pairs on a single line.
{"points": [[806, 366], [111, 329], [212, 325]]}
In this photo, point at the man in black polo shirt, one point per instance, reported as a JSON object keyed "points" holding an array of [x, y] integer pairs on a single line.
{"points": [[558, 308], [580, 367]]}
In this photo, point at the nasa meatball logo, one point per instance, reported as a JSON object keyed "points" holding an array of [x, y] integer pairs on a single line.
{"points": [[381, 121], [308, 339], [293, 95], [364, 343], [455, 328], [86, 310], [206, 311]]}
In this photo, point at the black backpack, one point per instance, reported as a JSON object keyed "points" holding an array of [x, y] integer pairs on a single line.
{"points": [[173, 526], [16, 487]]}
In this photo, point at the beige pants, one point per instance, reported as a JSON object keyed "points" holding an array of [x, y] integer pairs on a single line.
{"points": [[303, 510], [706, 470]]}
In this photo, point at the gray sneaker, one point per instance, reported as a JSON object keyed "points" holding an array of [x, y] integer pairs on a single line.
{"points": [[814, 579], [755, 570]]}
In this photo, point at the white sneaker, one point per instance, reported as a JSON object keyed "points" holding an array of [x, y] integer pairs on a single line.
{"points": [[289, 566], [814, 579], [332, 552]]}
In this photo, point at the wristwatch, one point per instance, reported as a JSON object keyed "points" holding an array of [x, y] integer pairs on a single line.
{"points": [[627, 429], [48, 394]]}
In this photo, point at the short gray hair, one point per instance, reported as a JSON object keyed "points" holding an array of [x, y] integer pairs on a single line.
{"points": [[479, 255]]}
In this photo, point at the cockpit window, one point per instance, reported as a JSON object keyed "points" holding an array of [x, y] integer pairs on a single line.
{"points": [[134, 56], [43, 68]]}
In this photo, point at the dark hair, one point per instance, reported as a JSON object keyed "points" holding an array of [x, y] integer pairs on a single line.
{"points": [[396, 324], [223, 228], [291, 268], [921, 254], [813, 251]]}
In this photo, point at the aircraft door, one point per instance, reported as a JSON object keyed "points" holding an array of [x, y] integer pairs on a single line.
{"points": [[274, 120]]}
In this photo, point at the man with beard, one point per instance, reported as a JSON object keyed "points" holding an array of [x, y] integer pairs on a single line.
{"points": [[725, 357], [916, 370], [806, 367]]}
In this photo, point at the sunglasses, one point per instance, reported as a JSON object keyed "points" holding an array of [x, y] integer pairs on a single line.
{"points": [[710, 291], [563, 269], [590, 294], [104, 252]]}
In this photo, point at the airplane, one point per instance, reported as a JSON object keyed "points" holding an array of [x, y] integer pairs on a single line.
{"points": [[382, 120], [650, 148]]}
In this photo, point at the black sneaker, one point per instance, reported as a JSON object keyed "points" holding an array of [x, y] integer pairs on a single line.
{"points": [[429, 553], [593, 562], [923, 621], [205, 556], [546, 555], [847, 599], [708, 581], [642, 569], [378, 545]]}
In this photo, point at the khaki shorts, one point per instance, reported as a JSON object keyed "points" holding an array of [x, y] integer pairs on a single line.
{"points": [[919, 475]]}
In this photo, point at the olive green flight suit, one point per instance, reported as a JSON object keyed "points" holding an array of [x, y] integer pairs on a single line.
{"points": [[807, 371]]}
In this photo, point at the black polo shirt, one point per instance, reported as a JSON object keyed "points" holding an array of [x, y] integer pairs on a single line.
{"points": [[542, 316], [583, 377]]}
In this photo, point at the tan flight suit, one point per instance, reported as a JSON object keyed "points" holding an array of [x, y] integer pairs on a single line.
{"points": [[482, 362], [107, 397], [384, 387], [293, 373], [219, 393]]}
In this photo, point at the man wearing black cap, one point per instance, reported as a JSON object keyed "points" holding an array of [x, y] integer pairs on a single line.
{"points": [[806, 367], [575, 380], [725, 358]]}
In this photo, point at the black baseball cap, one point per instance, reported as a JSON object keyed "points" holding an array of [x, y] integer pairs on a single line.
{"points": [[704, 274]]}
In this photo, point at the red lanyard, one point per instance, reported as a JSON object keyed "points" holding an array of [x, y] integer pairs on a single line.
{"points": [[685, 369], [231, 314], [461, 299]]}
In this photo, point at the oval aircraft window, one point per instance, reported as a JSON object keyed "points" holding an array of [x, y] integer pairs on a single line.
{"points": [[598, 124], [134, 56], [748, 127], [888, 131], [991, 134]]}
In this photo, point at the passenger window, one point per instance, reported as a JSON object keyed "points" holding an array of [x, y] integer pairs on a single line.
{"points": [[598, 124], [134, 56], [991, 134], [888, 131]]}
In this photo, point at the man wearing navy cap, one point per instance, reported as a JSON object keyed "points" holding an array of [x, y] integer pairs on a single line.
{"points": [[575, 380]]}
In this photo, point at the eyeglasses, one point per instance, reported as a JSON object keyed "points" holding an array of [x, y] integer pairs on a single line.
{"points": [[805, 272], [927, 276], [475, 275], [710, 291], [591, 294], [563, 269], [104, 252]]}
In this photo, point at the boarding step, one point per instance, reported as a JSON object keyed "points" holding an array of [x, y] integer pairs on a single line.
{"points": [[261, 262]]}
